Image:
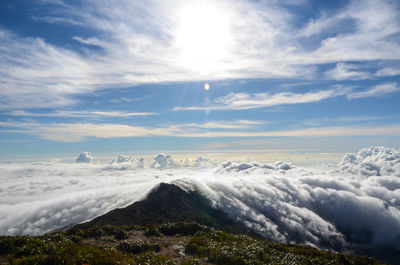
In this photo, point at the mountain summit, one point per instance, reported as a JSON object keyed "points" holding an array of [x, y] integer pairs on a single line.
{"points": [[167, 203]]}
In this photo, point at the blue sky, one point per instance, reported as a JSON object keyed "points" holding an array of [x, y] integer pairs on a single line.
{"points": [[130, 76]]}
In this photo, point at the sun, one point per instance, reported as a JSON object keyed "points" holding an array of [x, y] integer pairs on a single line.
{"points": [[202, 36], [206, 86]]}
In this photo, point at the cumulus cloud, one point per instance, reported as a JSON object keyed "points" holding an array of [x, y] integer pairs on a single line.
{"points": [[230, 166], [128, 161], [121, 159], [372, 161], [84, 157], [357, 204], [162, 161], [203, 162]]}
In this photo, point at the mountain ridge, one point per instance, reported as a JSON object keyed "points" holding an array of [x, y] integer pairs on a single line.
{"points": [[168, 203]]}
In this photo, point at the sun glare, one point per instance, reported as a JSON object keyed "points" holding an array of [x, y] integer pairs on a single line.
{"points": [[206, 86], [202, 37]]}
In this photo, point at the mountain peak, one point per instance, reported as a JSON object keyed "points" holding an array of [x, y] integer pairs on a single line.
{"points": [[167, 203]]}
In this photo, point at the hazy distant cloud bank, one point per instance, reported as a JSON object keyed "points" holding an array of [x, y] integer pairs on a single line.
{"points": [[75, 132], [356, 203]]}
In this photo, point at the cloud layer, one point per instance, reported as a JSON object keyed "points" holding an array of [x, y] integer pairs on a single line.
{"points": [[355, 204], [40, 197]]}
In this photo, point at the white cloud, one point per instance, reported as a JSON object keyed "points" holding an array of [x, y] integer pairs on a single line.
{"points": [[122, 159], [348, 119], [202, 162], [57, 20], [79, 114], [229, 166], [374, 22], [388, 71], [243, 101], [376, 91], [238, 124], [58, 194], [127, 162], [309, 206], [88, 41], [162, 161], [84, 157], [344, 71], [372, 161], [140, 44]]}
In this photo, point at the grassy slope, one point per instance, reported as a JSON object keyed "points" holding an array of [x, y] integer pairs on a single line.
{"points": [[176, 243]]}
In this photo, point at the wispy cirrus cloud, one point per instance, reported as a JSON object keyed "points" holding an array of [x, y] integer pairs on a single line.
{"points": [[388, 71], [238, 124], [349, 119], [376, 91], [79, 114], [244, 101], [348, 71], [344, 71]]}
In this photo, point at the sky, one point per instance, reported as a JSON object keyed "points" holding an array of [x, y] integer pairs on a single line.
{"points": [[178, 76]]}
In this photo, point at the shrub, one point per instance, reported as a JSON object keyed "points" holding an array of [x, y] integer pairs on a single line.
{"points": [[152, 231], [139, 247], [121, 235], [184, 229]]}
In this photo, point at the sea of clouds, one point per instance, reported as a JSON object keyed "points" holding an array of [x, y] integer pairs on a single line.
{"points": [[356, 202]]}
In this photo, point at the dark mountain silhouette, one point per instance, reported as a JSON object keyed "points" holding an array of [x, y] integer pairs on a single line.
{"points": [[168, 203]]}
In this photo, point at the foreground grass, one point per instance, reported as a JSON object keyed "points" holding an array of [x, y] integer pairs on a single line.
{"points": [[177, 243]]}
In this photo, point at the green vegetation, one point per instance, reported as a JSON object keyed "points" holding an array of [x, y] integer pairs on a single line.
{"points": [[139, 247], [172, 243], [222, 248]]}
